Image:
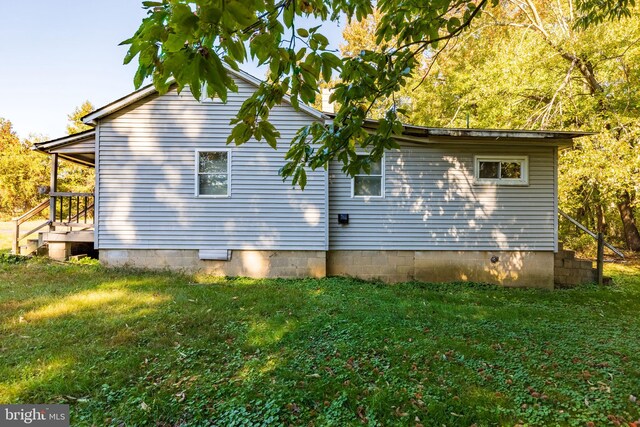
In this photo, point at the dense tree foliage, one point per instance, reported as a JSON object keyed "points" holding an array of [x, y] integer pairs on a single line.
{"points": [[528, 64], [188, 41], [21, 172], [75, 118]]}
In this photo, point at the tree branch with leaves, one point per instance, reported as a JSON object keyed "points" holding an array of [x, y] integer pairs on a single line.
{"points": [[188, 43]]}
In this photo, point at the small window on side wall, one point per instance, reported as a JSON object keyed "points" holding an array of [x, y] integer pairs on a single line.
{"points": [[502, 170], [212, 178], [369, 185]]}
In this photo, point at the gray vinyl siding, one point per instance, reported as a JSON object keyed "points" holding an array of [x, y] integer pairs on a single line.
{"points": [[146, 181], [431, 203]]}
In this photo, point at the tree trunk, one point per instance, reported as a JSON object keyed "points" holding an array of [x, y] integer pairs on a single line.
{"points": [[631, 234]]}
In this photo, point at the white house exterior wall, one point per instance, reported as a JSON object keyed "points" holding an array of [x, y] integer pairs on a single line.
{"points": [[431, 202], [146, 181]]}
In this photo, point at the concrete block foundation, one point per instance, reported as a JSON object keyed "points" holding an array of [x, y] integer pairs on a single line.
{"points": [[248, 263], [521, 269], [388, 266], [571, 271], [518, 269], [61, 251]]}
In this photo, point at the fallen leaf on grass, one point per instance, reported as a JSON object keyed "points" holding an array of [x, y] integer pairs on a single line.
{"points": [[292, 407], [360, 413]]}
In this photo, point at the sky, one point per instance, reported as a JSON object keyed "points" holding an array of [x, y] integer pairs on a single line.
{"points": [[54, 55]]}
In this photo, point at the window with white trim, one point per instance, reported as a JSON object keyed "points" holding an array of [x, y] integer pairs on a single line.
{"points": [[213, 173], [502, 170], [369, 185]]}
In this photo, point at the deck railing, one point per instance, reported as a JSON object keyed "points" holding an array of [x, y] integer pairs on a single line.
{"points": [[17, 222], [72, 210], [590, 233], [599, 238]]}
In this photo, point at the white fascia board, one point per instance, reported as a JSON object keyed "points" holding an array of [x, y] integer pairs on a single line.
{"points": [[93, 117]]}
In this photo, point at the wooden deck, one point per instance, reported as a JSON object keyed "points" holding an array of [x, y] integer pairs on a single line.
{"points": [[82, 236], [70, 222]]}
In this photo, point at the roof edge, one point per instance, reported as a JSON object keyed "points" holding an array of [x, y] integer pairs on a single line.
{"points": [[45, 146], [117, 105], [423, 131], [120, 103]]}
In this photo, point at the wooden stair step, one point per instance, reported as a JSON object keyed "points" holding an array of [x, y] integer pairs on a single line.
{"points": [[68, 236]]}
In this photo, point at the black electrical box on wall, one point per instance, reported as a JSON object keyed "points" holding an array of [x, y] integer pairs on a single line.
{"points": [[343, 218]]}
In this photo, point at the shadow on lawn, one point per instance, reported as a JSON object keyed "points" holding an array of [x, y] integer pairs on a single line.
{"points": [[88, 328], [130, 346], [51, 343]]}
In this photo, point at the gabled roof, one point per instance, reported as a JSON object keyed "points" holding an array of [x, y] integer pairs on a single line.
{"points": [[410, 133], [117, 105]]}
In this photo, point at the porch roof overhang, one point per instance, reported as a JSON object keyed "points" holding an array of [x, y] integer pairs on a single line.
{"points": [[78, 148]]}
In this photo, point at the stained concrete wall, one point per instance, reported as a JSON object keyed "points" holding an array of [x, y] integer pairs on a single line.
{"points": [[257, 264], [519, 269], [507, 268], [513, 268], [389, 266]]}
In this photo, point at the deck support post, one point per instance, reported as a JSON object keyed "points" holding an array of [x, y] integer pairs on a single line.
{"points": [[600, 258], [15, 245], [53, 186]]}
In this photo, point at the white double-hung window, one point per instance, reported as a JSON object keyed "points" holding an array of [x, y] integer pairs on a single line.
{"points": [[502, 170], [213, 173], [369, 185]]}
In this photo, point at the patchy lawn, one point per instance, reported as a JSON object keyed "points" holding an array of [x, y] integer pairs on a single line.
{"points": [[135, 348], [6, 233]]}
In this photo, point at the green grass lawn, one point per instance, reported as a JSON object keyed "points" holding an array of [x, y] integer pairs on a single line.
{"points": [[6, 233], [6, 236], [135, 348]]}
